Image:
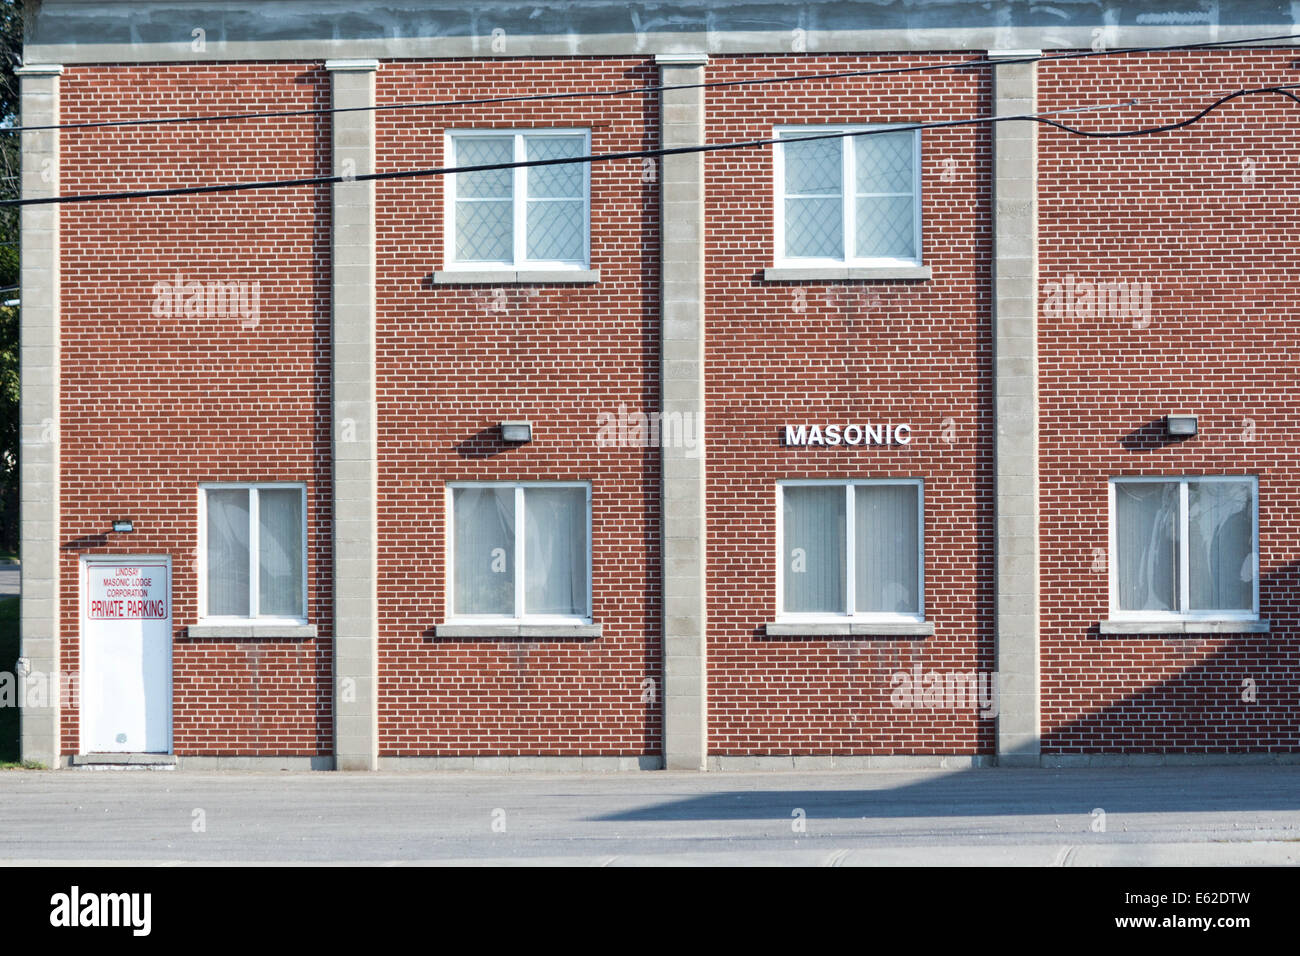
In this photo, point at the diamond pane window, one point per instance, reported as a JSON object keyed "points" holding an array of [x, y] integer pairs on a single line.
{"points": [[848, 199], [532, 216]]}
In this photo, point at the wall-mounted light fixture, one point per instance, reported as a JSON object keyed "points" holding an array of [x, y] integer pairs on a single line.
{"points": [[123, 525], [1180, 426], [517, 433]]}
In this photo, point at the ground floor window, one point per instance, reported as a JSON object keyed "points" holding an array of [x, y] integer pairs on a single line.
{"points": [[851, 548], [1184, 547], [253, 547], [520, 551]]}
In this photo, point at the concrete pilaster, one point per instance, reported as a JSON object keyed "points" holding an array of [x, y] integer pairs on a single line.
{"points": [[355, 446], [39, 415], [1015, 377], [682, 386]]}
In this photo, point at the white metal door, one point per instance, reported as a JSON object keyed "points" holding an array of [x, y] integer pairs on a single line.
{"points": [[126, 655]]}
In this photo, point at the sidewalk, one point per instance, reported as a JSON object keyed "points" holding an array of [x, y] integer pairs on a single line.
{"points": [[1131, 817]]}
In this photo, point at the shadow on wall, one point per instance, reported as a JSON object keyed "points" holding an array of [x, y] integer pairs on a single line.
{"points": [[484, 443], [1240, 699], [1152, 436]]}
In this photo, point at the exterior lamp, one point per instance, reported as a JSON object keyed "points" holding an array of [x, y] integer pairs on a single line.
{"points": [[516, 433], [123, 525], [1180, 426]]}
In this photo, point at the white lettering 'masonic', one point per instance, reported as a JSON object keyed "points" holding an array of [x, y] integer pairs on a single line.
{"points": [[848, 434]]}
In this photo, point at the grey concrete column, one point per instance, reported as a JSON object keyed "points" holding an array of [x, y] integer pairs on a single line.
{"points": [[1015, 378], [355, 445], [681, 224], [39, 415]]}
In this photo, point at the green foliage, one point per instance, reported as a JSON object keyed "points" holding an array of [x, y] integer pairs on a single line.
{"points": [[11, 44], [10, 750]]}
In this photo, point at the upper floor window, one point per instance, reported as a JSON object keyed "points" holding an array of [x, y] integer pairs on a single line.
{"points": [[536, 217], [520, 552], [1184, 548], [253, 547], [851, 200], [851, 548]]}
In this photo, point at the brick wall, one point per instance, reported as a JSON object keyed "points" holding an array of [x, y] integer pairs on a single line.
{"points": [[1207, 217], [881, 351], [456, 360], [153, 404]]}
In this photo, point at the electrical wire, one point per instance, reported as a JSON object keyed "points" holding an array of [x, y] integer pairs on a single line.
{"points": [[655, 153], [629, 91]]}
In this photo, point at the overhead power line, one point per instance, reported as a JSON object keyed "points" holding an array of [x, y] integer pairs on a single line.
{"points": [[633, 90], [1285, 91]]}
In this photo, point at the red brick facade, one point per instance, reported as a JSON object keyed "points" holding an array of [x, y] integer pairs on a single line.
{"points": [[906, 351], [1207, 216], [153, 405], [456, 360]]}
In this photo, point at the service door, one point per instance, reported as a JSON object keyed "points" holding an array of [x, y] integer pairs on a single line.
{"points": [[126, 655]]}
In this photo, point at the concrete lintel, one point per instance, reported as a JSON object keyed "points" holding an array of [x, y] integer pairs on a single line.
{"points": [[293, 631], [855, 629], [681, 59], [839, 274], [516, 277], [1185, 627], [470, 631], [353, 65]]}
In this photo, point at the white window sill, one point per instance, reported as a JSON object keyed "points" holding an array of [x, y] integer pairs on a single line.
{"points": [[516, 276], [838, 273], [259, 629], [851, 629], [462, 629], [1221, 626]]}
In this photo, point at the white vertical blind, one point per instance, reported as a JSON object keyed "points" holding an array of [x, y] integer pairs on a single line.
{"points": [[556, 549], [814, 545], [887, 549], [1220, 530], [484, 567], [1146, 545], [227, 552], [280, 557]]}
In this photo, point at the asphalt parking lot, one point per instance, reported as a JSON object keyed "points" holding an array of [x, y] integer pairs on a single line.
{"points": [[1157, 816]]}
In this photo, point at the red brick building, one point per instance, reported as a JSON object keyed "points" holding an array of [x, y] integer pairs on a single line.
{"points": [[924, 440]]}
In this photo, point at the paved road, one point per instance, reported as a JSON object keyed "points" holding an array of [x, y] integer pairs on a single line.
{"points": [[9, 575], [1152, 816]]}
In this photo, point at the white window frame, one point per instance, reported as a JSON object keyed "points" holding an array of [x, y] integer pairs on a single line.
{"points": [[848, 146], [254, 571], [520, 556], [519, 200], [851, 614], [1184, 567]]}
